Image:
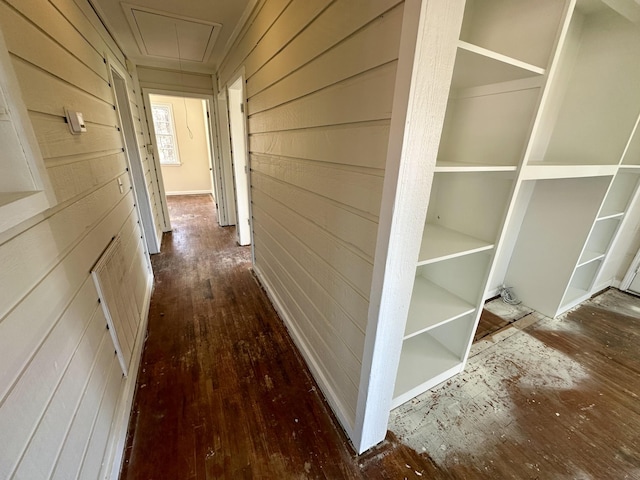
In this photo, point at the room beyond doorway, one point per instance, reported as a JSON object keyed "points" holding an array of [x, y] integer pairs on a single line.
{"points": [[182, 144]]}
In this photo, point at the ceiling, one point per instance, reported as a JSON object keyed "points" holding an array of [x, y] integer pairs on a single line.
{"points": [[181, 35]]}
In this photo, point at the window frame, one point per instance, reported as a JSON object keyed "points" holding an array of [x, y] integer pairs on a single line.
{"points": [[172, 135]]}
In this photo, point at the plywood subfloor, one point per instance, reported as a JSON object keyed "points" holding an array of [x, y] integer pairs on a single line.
{"points": [[222, 392]]}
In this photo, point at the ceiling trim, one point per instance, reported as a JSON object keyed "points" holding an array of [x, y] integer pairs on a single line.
{"points": [[128, 10], [239, 26]]}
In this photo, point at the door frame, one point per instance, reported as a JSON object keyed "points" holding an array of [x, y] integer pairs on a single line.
{"points": [[239, 78], [215, 164], [132, 155]]}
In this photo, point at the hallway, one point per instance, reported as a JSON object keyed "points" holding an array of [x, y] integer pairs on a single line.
{"points": [[222, 391]]}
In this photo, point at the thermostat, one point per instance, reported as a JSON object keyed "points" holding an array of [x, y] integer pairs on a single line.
{"points": [[75, 121]]}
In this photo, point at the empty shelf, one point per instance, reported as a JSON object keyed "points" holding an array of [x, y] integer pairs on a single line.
{"points": [[424, 363], [446, 167], [476, 66], [431, 306], [439, 243], [589, 256]]}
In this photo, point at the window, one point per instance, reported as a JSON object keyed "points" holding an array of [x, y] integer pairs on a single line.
{"points": [[165, 133]]}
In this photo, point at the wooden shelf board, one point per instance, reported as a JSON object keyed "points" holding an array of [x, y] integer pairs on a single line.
{"points": [[458, 167], [439, 243], [432, 306], [542, 171], [607, 215], [476, 66], [630, 166], [589, 256], [423, 364]]}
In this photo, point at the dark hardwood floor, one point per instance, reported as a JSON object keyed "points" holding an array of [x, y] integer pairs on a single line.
{"points": [[223, 393]]}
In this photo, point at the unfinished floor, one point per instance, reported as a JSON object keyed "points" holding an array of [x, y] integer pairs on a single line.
{"points": [[222, 392]]}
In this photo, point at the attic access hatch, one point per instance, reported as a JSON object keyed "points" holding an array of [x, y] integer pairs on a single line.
{"points": [[170, 36]]}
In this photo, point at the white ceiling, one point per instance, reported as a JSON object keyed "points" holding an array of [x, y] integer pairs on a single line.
{"points": [[183, 35]]}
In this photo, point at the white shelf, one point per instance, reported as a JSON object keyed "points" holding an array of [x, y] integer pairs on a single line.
{"points": [[432, 306], [477, 66], [572, 297], [424, 363], [589, 256], [439, 243], [609, 216], [460, 167], [544, 171]]}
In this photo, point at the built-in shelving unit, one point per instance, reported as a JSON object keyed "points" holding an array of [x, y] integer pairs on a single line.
{"points": [[538, 161], [494, 97]]}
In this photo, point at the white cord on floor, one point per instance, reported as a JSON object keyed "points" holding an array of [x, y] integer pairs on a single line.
{"points": [[508, 296]]}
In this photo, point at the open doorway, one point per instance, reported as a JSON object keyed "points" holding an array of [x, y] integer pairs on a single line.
{"points": [[182, 136], [237, 130]]}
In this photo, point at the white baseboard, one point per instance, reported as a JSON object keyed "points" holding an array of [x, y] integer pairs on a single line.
{"points": [[120, 424], [190, 192], [330, 395]]}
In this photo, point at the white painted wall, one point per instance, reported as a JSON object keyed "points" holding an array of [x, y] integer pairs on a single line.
{"points": [[320, 81], [63, 401], [192, 175]]}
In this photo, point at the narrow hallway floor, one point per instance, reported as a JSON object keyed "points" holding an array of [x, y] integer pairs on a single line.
{"points": [[222, 392]]}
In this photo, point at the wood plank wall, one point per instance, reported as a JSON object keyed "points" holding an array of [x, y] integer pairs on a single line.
{"points": [[320, 78], [61, 386]]}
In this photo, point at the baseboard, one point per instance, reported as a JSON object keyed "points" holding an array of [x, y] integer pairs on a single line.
{"points": [[120, 424], [299, 340], [190, 192]]}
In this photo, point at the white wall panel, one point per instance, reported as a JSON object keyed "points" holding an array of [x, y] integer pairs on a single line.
{"points": [[60, 385], [320, 79]]}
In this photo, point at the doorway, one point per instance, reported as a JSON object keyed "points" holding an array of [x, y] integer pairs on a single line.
{"points": [[134, 161], [180, 127], [238, 135]]}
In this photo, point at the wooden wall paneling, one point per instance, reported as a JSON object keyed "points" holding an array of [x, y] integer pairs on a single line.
{"points": [[295, 17], [354, 304], [38, 459], [339, 332], [71, 177], [46, 17], [29, 258], [56, 141], [357, 144], [322, 351], [44, 93], [24, 407], [358, 189], [44, 303], [43, 51], [92, 463], [337, 22], [71, 451], [264, 17], [350, 226], [361, 98], [367, 48], [82, 14], [353, 267]]}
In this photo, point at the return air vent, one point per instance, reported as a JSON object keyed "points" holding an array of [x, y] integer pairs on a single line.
{"points": [[169, 36]]}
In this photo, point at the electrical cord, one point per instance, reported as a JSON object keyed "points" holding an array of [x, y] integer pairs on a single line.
{"points": [[508, 296]]}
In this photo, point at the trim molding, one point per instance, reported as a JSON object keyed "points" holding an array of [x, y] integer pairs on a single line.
{"points": [[190, 192]]}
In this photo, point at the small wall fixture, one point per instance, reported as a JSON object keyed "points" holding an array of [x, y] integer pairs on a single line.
{"points": [[75, 122]]}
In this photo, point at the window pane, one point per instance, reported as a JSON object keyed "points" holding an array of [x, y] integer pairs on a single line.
{"points": [[165, 136]]}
